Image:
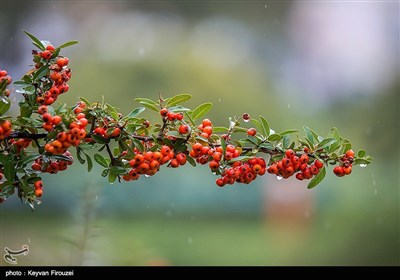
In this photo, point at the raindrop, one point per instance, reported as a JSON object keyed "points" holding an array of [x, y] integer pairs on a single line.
{"points": [[376, 192], [279, 178], [219, 99], [97, 197], [190, 240], [29, 240], [39, 202], [362, 165], [147, 176], [246, 120], [265, 6], [288, 106], [374, 182]]}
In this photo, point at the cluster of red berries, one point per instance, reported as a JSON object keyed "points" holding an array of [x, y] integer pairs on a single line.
{"points": [[205, 128], [5, 129], [64, 139], [52, 166], [38, 185], [346, 164], [8, 79], [20, 144], [242, 172], [149, 163], [292, 164], [59, 75], [171, 116]]}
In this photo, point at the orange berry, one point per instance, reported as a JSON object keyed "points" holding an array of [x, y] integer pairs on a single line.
{"points": [[56, 120], [38, 192]]}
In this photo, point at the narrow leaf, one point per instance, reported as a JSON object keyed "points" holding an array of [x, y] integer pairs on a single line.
{"points": [[100, 160], [309, 135], [136, 112], [36, 40], [219, 129], [191, 161], [41, 72], [201, 110], [260, 127], [67, 44], [89, 163], [265, 125], [274, 137], [289, 131], [326, 143], [241, 158], [177, 99], [4, 105], [317, 179], [361, 153]]}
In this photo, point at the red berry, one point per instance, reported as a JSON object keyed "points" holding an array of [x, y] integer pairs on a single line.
{"points": [[220, 182], [347, 170], [181, 158], [251, 132], [299, 176], [164, 112], [174, 163], [318, 164], [183, 129], [246, 116], [206, 122], [290, 153], [304, 158], [38, 184], [338, 170]]}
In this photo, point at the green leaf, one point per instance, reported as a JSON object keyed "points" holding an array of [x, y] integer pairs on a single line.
{"points": [[346, 145], [326, 143], [138, 144], [219, 129], [112, 111], [191, 161], [89, 163], [67, 44], [361, 161], [239, 129], [21, 83], [79, 156], [41, 72], [223, 145], [286, 141], [136, 112], [151, 106], [265, 125], [289, 131], [85, 100], [266, 145], [148, 102], [309, 135], [36, 40], [119, 170], [274, 137], [9, 170], [201, 110], [4, 105], [29, 159], [361, 153], [260, 127], [240, 158], [317, 179], [177, 99], [100, 160], [178, 109], [112, 177], [99, 139]]}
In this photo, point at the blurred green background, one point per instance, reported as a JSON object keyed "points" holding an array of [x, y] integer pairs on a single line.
{"points": [[320, 64]]}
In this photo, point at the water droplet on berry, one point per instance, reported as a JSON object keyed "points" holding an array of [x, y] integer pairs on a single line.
{"points": [[147, 176], [39, 202], [362, 165], [279, 178], [246, 120]]}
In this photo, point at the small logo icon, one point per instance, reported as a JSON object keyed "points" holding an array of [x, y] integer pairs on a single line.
{"points": [[9, 255]]}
